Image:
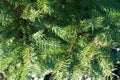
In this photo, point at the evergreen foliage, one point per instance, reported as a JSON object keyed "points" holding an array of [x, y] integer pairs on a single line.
{"points": [[71, 38]]}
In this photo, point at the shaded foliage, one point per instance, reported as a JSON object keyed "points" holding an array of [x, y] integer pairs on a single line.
{"points": [[69, 37]]}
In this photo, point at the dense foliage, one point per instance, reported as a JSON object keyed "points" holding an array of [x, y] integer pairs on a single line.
{"points": [[71, 38]]}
